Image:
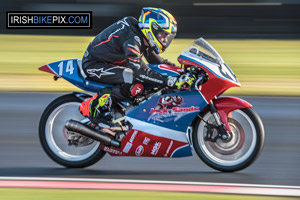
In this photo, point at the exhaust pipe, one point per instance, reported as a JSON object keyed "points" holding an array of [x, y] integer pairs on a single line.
{"points": [[82, 129]]}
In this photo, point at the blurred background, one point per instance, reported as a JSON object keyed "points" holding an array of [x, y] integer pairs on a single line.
{"points": [[206, 18]]}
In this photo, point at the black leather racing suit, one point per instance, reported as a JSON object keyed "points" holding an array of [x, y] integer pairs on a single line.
{"points": [[115, 57]]}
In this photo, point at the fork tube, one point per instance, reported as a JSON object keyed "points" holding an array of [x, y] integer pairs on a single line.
{"points": [[215, 113], [222, 131]]}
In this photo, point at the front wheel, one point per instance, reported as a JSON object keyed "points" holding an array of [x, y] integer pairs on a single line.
{"points": [[54, 136], [240, 151]]}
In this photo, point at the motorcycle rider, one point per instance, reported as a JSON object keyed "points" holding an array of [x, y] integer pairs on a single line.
{"points": [[115, 57]]}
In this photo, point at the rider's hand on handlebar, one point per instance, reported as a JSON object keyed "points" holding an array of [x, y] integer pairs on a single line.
{"points": [[184, 81], [201, 75]]}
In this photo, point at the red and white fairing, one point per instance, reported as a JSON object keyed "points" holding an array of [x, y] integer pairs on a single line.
{"points": [[138, 143], [203, 55]]}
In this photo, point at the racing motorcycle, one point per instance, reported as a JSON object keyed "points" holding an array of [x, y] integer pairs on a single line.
{"points": [[225, 132]]}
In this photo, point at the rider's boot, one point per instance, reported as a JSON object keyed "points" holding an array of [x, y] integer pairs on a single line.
{"points": [[98, 110]]}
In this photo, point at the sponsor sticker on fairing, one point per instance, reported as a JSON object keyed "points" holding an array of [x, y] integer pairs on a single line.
{"points": [[113, 151], [146, 141], [127, 147], [169, 147], [129, 143], [177, 112], [139, 150], [155, 148]]}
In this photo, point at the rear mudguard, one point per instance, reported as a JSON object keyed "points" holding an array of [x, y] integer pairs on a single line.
{"points": [[225, 105], [82, 96]]}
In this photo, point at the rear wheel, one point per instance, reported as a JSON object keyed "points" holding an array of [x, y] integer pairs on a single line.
{"points": [[54, 136], [237, 153]]}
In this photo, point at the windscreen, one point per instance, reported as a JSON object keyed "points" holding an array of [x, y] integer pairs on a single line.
{"points": [[203, 50]]}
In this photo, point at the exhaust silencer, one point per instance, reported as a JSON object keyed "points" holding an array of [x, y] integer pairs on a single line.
{"points": [[82, 129]]}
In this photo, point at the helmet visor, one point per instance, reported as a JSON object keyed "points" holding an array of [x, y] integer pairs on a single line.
{"points": [[162, 36]]}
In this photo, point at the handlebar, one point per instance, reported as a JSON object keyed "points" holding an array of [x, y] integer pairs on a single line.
{"points": [[200, 74]]}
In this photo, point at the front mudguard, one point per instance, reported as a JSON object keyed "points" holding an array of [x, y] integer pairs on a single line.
{"points": [[225, 105]]}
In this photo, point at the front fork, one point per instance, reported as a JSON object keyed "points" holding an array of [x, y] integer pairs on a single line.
{"points": [[223, 130]]}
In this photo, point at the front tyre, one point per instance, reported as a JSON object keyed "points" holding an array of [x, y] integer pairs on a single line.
{"points": [[240, 151], [53, 135]]}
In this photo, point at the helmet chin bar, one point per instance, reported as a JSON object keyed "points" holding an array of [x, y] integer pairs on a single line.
{"points": [[151, 39], [152, 43]]}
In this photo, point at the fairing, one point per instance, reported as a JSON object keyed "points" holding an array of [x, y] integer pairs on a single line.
{"points": [[173, 116], [203, 55], [164, 119], [141, 144]]}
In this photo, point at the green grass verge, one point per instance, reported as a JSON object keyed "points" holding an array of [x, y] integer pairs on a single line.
{"points": [[264, 67], [62, 194]]}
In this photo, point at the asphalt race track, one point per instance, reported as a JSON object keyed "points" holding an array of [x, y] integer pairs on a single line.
{"points": [[22, 155]]}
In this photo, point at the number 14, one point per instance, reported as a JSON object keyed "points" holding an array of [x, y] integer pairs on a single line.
{"points": [[69, 68]]}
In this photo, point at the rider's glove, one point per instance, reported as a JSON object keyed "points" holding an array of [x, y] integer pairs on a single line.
{"points": [[185, 80], [202, 76]]}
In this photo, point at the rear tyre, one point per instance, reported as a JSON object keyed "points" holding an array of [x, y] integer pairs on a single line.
{"points": [[236, 154], [52, 134]]}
